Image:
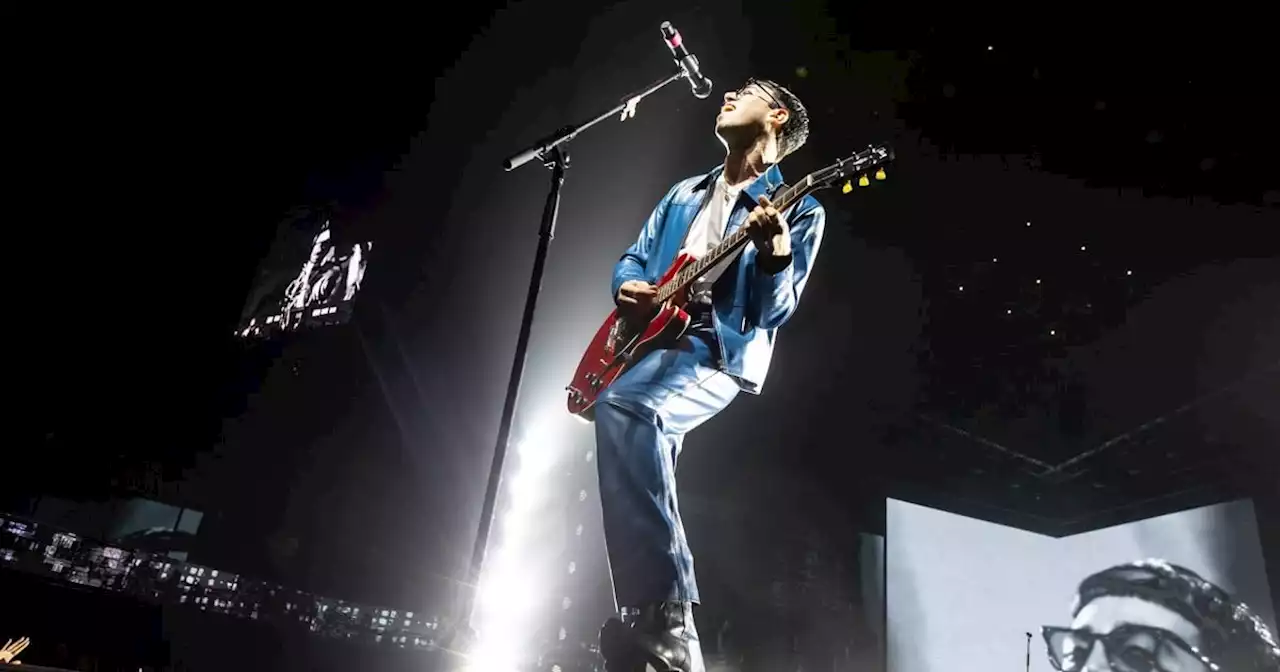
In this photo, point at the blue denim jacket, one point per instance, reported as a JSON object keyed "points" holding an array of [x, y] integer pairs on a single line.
{"points": [[749, 304]]}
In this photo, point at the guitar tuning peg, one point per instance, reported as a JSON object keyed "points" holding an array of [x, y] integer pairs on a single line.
{"points": [[880, 176], [863, 181], [848, 187]]}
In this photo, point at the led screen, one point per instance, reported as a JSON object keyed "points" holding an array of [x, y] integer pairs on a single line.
{"points": [[963, 594], [310, 278], [136, 523]]}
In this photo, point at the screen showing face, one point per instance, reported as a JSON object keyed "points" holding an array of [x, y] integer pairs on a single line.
{"points": [[1162, 594], [310, 279]]}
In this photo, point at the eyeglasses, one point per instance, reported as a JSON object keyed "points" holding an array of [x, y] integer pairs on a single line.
{"points": [[1129, 648], [759, 91]]}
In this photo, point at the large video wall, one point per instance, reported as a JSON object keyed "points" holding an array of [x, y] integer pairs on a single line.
{"points": [[310, 278], [1184, 591]]}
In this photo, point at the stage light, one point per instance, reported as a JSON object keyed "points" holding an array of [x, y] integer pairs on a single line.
{"points": [[507, 591], [510, 591], [511, 522], [504, 608], [523, 490]]}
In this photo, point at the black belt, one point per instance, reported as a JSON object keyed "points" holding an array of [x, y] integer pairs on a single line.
{"points": [[698, 311], [700, 322], [702, 326]]}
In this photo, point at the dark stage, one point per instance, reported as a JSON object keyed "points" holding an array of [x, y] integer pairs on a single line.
{"points": [[282, 274]]}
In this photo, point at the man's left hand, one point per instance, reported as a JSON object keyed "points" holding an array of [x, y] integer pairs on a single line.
{"points": [[768, 230]]}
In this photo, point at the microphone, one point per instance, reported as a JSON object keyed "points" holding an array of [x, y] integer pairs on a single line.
{"points": [[688, 62]]}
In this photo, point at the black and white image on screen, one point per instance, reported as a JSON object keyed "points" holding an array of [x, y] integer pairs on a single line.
{"points": [[1152, 615], [962, 594], [316, 290]]}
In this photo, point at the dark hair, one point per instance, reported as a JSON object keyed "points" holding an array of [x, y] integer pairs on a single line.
{"points": [[1234, 637], [793, 134]]}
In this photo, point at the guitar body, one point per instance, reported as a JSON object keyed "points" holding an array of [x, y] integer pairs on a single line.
{"points": [[624, 340]]}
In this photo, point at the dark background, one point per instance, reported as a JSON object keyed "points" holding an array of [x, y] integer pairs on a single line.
{"points": [[153, 157]]}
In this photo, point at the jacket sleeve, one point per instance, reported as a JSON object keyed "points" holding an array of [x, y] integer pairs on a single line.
{"points": [[774, 296], [632, 264]]}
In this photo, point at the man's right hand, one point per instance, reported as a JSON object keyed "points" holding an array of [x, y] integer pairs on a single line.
{"points": [[636, 296]]}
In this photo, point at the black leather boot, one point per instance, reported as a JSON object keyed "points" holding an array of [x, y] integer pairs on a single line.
{"points": [[618, 648], [661, 638]]}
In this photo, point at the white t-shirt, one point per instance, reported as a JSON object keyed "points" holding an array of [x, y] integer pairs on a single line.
{"points": [[706, 231]]}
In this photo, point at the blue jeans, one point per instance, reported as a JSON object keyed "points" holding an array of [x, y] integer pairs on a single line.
{"points": [[641, 420]]}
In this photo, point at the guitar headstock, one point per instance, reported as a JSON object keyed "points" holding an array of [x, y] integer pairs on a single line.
{"points": [[862, 166]]}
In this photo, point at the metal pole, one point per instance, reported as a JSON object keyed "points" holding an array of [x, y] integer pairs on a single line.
{"points": [[555, 156]]}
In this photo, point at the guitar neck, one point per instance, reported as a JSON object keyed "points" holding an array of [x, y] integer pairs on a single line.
{"points": [[730, 246]]}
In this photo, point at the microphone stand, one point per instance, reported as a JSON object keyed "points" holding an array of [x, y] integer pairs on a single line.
{"points": [[553, 152], [1028, 652]]}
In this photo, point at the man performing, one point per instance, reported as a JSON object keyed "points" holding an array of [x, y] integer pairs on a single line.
{"points": [[736, 310]]}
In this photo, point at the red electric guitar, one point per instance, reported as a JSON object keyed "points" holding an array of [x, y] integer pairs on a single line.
{"points": [[624, 338]]}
